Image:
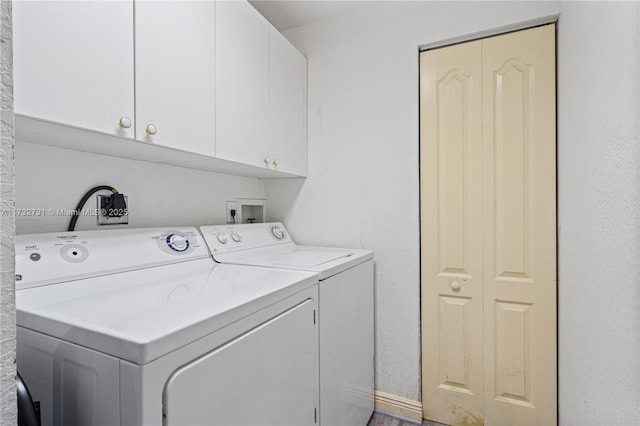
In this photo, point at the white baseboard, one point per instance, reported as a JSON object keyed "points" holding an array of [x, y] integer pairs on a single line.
{"points": [[399, 406]]}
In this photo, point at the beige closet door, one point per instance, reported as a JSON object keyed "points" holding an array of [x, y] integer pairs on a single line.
{"points": [[520, 227], [488, 230], [451, 217]]}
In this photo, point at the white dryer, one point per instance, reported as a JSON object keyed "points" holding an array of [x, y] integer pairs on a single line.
{"points": [[141, 327], [346, 302]]}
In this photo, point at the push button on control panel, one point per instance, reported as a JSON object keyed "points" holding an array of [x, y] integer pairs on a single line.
{"points": [[35, 257]]}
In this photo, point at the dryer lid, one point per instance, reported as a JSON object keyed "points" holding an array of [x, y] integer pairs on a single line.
{"points": [[141, 315]]}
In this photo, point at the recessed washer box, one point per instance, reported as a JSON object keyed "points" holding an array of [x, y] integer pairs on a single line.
{"points": [[251, 210]]}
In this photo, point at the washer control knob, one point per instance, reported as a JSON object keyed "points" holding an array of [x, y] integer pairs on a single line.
{"points": [[177, 242], [222, 237], [236, 237], [277, 232]]}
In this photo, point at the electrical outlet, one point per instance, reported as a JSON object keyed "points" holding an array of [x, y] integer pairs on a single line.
{"points": [[231, 205], [103, 219]]}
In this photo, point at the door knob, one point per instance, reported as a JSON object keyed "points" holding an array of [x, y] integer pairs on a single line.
{"points": [[455, 286], [151, 130], [124, 122]]}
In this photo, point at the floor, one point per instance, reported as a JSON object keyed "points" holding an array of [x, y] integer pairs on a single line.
{"points": [[382, 419]]}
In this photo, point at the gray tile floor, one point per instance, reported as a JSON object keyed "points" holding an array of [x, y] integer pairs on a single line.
{"points": [[383, 419]]}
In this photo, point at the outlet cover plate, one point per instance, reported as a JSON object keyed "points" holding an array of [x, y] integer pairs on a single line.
{"points": [[231, 205], [103, 219]]}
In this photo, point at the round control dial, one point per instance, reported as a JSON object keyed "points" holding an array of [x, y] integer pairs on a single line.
{"points": [[277, 232], [177, 242], [222, 237], [74, 253], [236, 237]]}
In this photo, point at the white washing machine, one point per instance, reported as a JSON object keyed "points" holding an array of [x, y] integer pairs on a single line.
{"points": [[141, 327], [345, 309]]}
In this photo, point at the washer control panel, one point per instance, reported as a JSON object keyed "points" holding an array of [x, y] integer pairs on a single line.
{"points": [[228, 238], [43, 259]]}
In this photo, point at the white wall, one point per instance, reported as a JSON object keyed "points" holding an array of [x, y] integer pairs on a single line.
{"points": [[159, 195], [8, 408], [362, 189], [598, 205]]}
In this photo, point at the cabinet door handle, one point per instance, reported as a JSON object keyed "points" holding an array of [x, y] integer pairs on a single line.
{"points": [[266, 160], [151, 130], [124, 122], [275, 162], [455, 286]]}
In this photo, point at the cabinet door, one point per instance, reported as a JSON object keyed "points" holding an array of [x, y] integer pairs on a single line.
{"points": [[287, 106], [242, 83], [73, 63], [175, 74]]}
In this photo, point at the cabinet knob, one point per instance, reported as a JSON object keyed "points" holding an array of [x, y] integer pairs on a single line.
{"points": [[275, 162], [455, 286], [266, 160], [124, 122], [151, 130]]}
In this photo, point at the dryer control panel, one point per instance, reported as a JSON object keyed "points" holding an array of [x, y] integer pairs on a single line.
{"points": [[229, 238], [51, 258]]}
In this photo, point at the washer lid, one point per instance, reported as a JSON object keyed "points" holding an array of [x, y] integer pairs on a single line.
{"points": [[141, 315], [325, 261]]}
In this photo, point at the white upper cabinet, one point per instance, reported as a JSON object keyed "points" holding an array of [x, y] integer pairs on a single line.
{"points": [[73, 63], [261, 92], [205, 84], [242, 83], [287, 106], [175, 74]]}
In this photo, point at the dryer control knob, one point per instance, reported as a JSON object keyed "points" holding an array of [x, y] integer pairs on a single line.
{"points": [[222, 237], [277, 232], [236, 237], [177, 242]]}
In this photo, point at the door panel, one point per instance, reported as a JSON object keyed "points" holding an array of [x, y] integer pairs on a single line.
{"points": [[511, 164], [519, 227], [453, 339], [451, 182]]}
